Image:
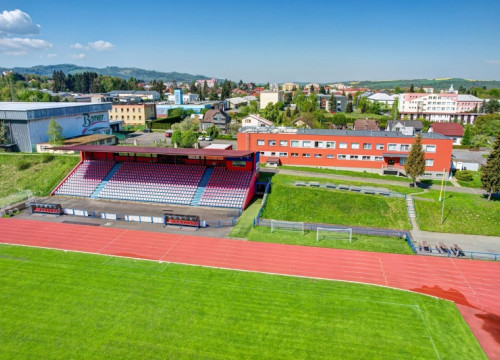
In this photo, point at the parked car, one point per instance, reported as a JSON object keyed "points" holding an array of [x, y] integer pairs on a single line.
{"points": [[146, 130], [168, 134], [201, 138], [208, 138]]}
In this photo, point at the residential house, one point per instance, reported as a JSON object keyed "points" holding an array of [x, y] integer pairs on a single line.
{"points": [[254, 120], [366, 124], [407, 127], [268, 96], [453, 130], [215, 117]]}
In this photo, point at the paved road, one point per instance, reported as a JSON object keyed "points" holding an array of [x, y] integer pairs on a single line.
{"points": [[374, 181], [475, 243], [470, 156]]}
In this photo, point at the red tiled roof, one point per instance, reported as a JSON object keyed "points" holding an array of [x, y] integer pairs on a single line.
{"points": [[448, 129]]}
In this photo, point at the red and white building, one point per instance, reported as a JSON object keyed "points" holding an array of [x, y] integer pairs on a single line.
{"points": [[439, 107], [210, 83], [452, 130], [383, 152]]}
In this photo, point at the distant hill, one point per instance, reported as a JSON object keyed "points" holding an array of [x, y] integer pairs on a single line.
{"points": [[123, 72], [438, 84]]}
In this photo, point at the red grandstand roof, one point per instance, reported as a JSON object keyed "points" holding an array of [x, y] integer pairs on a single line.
{"points": [[155, 150]]}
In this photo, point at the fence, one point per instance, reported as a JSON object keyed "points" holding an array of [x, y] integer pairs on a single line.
{"points": [[264, 198], [477, 255]]}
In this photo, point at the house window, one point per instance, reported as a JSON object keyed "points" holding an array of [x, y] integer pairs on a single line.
{"points": [[306, 143], [380, 146], [367, 146], [318, 144], [306, 155], [140, 117], [133, 109], [317, 155], [134, 117], [116, 109], [330, 144], [402, 161], [271, 142], [353, 157], [283, 154], [429, 162], [330, 156], [294, 143], [379, 158], [392, 147], [341, 157], [354, 145], [364, 157], [294, 154], [343, 145], [405, 147], [430, 148], [283, 143], [261, 142], [139, 110], [128, 117]]}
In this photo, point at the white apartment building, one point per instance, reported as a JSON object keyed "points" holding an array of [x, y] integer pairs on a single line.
{"points": [[439, 107], [186, 98], [289, 86], [267, 97]]}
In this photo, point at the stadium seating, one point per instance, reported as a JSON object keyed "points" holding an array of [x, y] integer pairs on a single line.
{"points": [[159, 183], [226, 188], [85, 179]]}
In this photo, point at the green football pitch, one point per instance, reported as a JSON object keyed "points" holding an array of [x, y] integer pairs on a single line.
{"points": [[58, 304]]}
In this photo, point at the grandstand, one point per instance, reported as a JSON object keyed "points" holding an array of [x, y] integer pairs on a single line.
{"points": [[196, 177]]}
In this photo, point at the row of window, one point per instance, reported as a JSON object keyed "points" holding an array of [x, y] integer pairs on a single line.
{"points": [[342, 145], [402, 161], [117, 117], [133, 110]]}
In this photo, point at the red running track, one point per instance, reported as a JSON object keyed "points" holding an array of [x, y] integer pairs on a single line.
{"points": [[473, 285]]}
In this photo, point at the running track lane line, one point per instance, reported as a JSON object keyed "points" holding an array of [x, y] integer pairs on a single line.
{"points": [[472, 284]]}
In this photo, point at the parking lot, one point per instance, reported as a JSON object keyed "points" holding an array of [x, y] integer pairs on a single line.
{"points": [[148, 139]]}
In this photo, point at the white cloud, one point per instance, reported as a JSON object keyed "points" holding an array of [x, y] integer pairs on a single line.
{"points": [[101, 45], [17, 22], [494, 62], [20, 46], [78, 46], [78, 56], [51, 55]]}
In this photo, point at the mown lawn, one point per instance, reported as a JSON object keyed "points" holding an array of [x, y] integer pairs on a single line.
{"points": [[38, 173], [316, 205], [278, 179], [245, 221], [385, 244], [80, 306], [463, 214]]}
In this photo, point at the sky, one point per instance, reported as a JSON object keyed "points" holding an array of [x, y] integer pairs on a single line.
{"points": [[260, 41]]}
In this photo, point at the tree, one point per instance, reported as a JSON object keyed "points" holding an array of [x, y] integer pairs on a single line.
{"points": [[322, 89], [467, 135], [213, 131], [288, 98], [177, 137], [188, 139], [332, 104], [415, 164], [421, 90], [55, 133], [492, 106], [412, 89], [311, 89], [349, 109], [395, 109], [3, 133], [490, 173]]}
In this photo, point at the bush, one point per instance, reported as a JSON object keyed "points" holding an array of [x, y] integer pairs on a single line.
{"points": [[464, 175], [23, 165]]}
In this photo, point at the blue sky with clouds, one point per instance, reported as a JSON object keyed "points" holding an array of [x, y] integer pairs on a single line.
{"points": [[277, 41]]}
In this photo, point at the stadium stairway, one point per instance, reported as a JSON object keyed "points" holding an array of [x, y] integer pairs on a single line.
{"points": [[201, 186], [103, 183]]}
